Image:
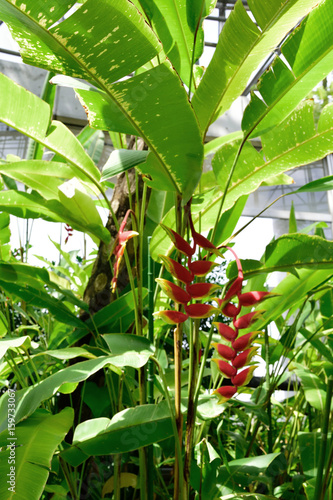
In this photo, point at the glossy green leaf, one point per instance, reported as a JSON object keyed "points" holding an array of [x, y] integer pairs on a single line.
{"points": [[309, 55], [126, 431], [153, 102], [309, 447], [43, 300], [323, 184], [292, 290], [21, 274], [43, 176], [37, 438], [68, 210], [314, 388], [246, 470], [15, 343], [318, 343], [177, 25], [295, 251], [130, 350], [112, 31], [67, 353], [102, 112], [296, 142], [29, 399], [157, 104], [287, 253], [242, 46], [117, 316], [121, 160], [215, 144], [197, 10], [34, 123]]}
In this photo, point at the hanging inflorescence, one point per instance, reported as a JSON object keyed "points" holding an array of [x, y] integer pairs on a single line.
{"points": [[192, 296]]}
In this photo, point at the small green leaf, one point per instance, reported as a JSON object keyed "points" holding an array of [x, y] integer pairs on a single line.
{"points": [[121, 160]]}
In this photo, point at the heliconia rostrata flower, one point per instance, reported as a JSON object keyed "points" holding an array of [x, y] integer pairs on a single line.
{"points": [[119, 248], [190, 295]]}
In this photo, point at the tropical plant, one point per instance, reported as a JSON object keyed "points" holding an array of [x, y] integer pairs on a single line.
{"points": [[85, 339]]}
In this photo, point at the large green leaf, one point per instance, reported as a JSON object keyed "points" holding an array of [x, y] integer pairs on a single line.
{"points": [[43, 176], [28, 283], [309, 447], [14, 344], [291, 290], [178, 26], [74, 209], [293, 251], [154, 102], [37, 438], [126, 431], [35, 123], [289, 253], [117, 316], [112, 31], [309, 55], [296, 142], [131, 350], [242, 46], [27, 400], [246, 470]]}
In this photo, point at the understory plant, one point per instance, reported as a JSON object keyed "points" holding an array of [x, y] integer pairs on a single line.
{"points": [[131, 372]]}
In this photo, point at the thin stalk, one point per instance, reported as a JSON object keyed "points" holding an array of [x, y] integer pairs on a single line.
{"points": [[328, 474], [269, 405], [151, 375], [202, 366], [231, 173], [319, 492], [191, 408], [15, 368], [32, 364], [178, 369], [173, 415], [254, 435], [69, 479], [179, 417]]}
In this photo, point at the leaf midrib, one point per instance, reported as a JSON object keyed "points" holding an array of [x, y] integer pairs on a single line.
{"points": [[256, 43], [276, 158], [106, 90]]}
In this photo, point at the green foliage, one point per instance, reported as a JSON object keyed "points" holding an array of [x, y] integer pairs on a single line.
{"points": [[113, 387]]}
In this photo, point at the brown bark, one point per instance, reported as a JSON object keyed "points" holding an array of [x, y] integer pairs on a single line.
{"points": [[98, 291]]}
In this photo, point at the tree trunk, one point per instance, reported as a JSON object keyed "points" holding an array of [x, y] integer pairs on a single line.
{"points": [[98, 291]]}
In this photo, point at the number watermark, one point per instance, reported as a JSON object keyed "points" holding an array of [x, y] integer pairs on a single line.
{"points": [[11, 476]]}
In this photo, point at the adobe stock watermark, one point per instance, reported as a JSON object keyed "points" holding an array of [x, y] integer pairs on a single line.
{"points": [[11, 475]]}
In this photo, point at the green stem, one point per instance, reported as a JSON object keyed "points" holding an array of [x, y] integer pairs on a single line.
{"points": [[269, 406], [191, 407], [319, 492], [151, 375], [173, 415], [231, 173], [178, 478]]}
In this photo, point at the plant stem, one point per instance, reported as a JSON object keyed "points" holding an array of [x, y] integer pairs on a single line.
{"points": [[178, 441], [179, 417], [178, 370], [191, 408], [151, 375], [269, 406], [319, 492]]}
